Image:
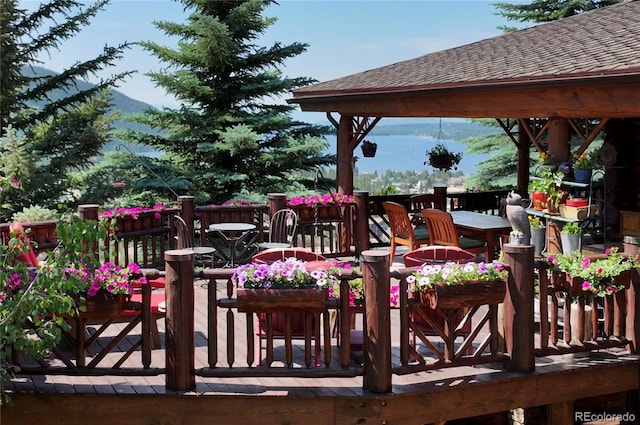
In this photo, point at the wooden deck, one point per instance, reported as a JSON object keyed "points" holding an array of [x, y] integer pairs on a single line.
{"points": [[416, 398]]}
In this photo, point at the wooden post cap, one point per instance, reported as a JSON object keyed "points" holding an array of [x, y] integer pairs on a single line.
{"points": [[178, 255], [374, 255]]}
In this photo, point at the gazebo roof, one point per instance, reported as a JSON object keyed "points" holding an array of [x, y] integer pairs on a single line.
{"points": [[563, 68]]}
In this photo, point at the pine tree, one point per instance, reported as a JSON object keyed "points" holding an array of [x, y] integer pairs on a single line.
{"points": [[540, 11], [61, 133], [230, 134]]}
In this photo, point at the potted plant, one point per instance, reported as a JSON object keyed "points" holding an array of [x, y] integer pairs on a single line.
{"points": [[284, 285], [369, 148], [583, 167], [570, 237], [549, 183], [600, 276], [538, 234], [454, 285], [546, 162], [441, 158]]}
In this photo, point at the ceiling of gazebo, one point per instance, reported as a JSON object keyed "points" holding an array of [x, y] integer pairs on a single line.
{"points": [[586, 65]]}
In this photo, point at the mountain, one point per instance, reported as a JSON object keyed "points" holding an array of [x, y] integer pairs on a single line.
{"points": [[450, 129]]}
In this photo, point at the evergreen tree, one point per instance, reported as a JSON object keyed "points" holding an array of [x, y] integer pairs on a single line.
{"points": [[539, 11], [61, 135], [229, 136]]}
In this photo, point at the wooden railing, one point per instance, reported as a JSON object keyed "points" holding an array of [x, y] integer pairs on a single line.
{"points": [[571, 323], [230, 345]]}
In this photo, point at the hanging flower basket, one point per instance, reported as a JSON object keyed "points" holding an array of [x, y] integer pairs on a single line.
{"points": [[369, 148], [441, 158]]}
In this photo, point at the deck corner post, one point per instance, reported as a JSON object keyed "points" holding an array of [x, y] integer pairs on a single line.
{"points": [[632, 328], [180, 331], [362, 220], [276, 202], [518, 308], [187, 210], [88, 211], [377, 332]]}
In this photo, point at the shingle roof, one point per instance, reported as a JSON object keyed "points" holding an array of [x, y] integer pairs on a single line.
{"points": [[599, 43]]}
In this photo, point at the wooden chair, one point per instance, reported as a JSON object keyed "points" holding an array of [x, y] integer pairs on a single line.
{"points": [[418, 312], [282, 229], [442, 231], [402, 230]]}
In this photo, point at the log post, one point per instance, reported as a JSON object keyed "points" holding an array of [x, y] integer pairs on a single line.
{"points": [[361, 229], [632, 327], [377, 332], [344, 169], [180, 337], [90, 212], [440, 193], [187, 210], [559, 136], [523, 162], [276, 201], [518, 308]]}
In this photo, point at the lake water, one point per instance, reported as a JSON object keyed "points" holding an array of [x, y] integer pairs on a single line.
{"points": [[405, 153]]}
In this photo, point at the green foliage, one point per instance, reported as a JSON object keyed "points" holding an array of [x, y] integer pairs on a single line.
{"points": [[61, 133], [229, 136], [388, 190], [535, 222], [35, 213], [539, 11], [499, 169], [571, 228], [16, 164]]}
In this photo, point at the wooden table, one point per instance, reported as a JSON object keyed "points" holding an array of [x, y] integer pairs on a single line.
{"points": [[481, 226]]}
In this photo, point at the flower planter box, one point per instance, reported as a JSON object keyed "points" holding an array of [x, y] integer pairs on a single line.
{"points": [[304, 300], [573, 284], [324, 213], [103, 306], [464, 294]]}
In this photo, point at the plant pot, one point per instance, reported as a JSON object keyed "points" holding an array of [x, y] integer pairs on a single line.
{"points": [[570, 243], [539, 200], [582, 175], [369, 151], [538, 239], [464, 294]]}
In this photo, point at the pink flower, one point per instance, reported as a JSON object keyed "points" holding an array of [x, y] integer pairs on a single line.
{"points": [[586, 285]]}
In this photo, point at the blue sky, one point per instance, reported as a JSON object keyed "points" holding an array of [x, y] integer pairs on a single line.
{"points": [[344, 37]]}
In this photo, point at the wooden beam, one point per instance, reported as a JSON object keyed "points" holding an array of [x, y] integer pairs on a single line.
{"points": [[590, 137], [507, 130], [588, 100], [524, 124]]}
